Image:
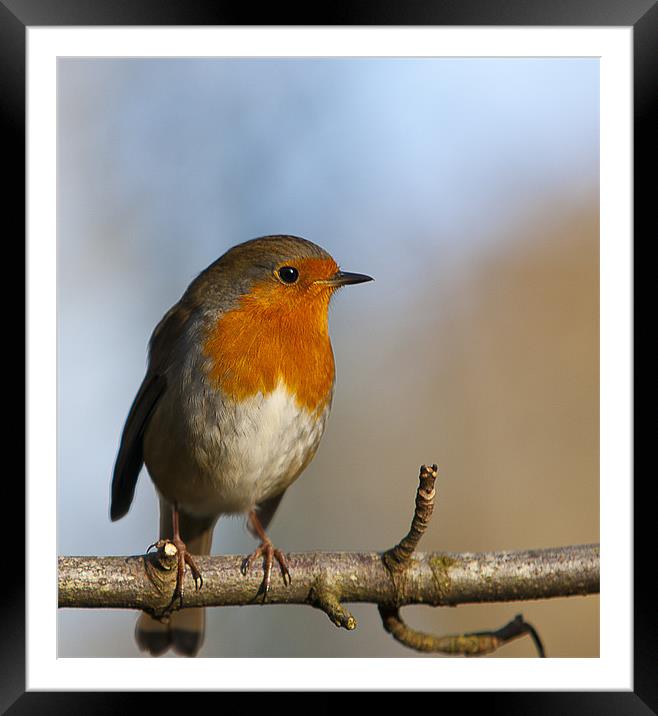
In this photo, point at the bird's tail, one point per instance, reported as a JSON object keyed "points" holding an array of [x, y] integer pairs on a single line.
{"points": [[185, 630]]}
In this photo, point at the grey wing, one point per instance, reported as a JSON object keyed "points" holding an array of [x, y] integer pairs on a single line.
{"points": [[131, 456], [164, 341]]}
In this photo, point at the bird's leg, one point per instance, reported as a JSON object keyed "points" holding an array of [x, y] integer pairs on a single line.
{"points": [[269, 552], [184, 557]]}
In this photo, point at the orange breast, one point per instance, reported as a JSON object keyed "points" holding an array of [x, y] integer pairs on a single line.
{"points": [[273, 335]]}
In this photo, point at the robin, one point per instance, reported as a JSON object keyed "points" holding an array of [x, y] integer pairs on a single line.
{"points": [[235, 400]]}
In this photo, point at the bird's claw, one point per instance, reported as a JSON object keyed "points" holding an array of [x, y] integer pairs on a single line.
{"points": [[183, 558], [267, 550]]}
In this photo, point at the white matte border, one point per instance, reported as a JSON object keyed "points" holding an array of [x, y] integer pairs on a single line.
{"points": [[613, 669]]}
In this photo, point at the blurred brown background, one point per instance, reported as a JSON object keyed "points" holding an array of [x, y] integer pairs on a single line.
{"points": [[474, 205]]}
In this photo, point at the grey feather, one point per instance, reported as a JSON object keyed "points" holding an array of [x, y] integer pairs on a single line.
{"points": [[130, 458]]}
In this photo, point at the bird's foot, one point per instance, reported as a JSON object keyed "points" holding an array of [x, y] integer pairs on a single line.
{"points": [[267, 550], [183, 557]]}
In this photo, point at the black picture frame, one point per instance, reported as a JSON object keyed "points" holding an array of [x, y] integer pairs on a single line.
{"points": [[17, 15]]}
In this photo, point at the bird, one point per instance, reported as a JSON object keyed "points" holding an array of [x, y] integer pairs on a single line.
{"points": [[238, 388]]}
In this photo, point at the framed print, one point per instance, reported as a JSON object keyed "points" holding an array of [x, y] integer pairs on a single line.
{"points": [[479, 169]]}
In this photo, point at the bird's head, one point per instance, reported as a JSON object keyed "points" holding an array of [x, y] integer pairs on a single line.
{"points": [[277, 274]]}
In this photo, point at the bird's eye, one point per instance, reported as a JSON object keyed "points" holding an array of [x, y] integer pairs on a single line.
{"points": [[288, 274]]}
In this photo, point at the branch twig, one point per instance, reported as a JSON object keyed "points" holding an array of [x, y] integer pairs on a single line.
{"points": [[397, 558], [397, 561], [472, 644]]}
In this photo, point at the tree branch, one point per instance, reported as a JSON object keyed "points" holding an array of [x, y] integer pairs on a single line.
{"points": [[327, 580], [436, 579]]}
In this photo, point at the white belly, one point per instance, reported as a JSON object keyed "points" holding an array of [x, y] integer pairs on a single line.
{"points": [[226, 457]]}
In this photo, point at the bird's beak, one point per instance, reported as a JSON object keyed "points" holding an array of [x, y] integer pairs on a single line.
{"points": [[344, 278]]}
